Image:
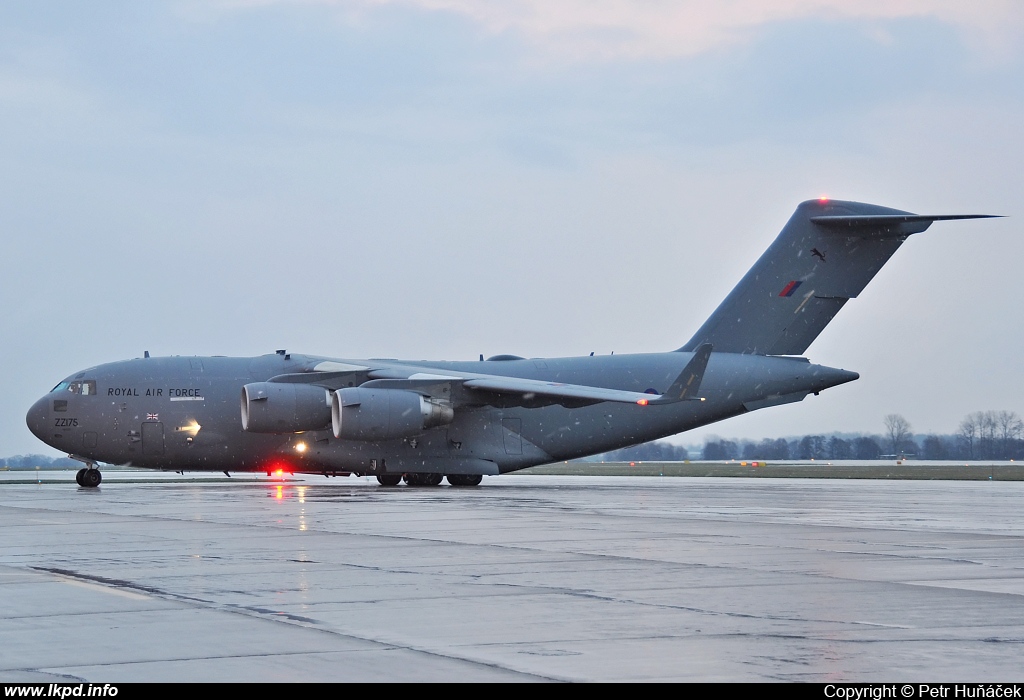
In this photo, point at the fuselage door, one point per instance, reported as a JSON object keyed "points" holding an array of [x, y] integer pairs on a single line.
{"points": [[510, 429], [152, 439]]}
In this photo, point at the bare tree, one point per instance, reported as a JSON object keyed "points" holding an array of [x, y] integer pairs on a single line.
{"points": [[988, 434], [1008, 428], [898, 429], [967, 434]]}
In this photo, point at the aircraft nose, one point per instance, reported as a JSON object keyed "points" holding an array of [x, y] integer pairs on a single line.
{"points": [[38, 418]]}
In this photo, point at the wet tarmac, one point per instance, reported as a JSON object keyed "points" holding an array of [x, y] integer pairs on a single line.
{"points": [[154, 578]]}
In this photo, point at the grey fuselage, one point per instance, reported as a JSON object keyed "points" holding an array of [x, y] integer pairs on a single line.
{"points": [[182, 413]]}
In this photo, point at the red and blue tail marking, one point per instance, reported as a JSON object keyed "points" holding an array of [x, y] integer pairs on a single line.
{"points": [[788, 290]]}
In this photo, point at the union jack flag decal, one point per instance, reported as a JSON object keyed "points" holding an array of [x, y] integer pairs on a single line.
{"points": [[152, 416]]}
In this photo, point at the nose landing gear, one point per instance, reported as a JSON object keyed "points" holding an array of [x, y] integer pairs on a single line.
{"points": [[89, 477]]}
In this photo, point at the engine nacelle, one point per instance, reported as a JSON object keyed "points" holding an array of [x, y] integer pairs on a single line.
{"points": [[384, 414], [270, 407]]}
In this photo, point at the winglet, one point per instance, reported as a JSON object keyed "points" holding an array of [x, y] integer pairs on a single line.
{"points": [[687, 384]]}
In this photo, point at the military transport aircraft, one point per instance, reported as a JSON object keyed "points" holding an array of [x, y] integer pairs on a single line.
{"points": [[423, 421]]}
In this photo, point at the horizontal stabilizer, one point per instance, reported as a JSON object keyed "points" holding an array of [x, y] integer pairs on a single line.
{"points": [[888, 225]]}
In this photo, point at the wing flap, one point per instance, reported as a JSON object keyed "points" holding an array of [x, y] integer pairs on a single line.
{"points": [[528, 387]]}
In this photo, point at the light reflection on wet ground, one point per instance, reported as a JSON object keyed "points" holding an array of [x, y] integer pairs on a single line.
{"points": [[525, 577]]}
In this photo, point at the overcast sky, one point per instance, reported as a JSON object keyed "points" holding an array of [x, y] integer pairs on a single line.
{"points": [[434, 179]]}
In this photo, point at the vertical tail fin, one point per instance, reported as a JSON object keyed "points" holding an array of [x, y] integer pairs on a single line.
{"points": [[824, 256]]}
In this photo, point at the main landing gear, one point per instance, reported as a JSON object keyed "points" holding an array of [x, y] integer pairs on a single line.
{"points": [[89, 477], [422, 479], [426, 479]]}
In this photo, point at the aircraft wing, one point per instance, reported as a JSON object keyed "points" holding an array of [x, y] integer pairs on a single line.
{"points": [[426, 383], [684, 388], [333, 375], [528, 390]]}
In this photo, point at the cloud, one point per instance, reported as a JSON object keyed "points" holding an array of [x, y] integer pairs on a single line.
{"points": [[665, 29]]}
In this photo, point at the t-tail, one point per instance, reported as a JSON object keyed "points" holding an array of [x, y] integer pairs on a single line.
{"points": [[826, 254]]}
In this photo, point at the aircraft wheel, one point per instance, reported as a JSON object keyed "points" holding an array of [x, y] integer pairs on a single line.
{"points": [[92, 478], [389, 479], [79, 475], [422, 479], [464, 479]]}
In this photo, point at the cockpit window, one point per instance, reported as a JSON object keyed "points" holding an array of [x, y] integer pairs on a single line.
{"points": [[60, 387], [85, 387]]}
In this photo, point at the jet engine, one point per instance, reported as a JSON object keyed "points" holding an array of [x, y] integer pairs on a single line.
{"points": [[384, 414], [271, 407]]}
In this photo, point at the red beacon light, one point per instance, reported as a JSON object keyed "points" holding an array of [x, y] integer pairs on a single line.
{"points": [[278, 469], [823, 199]]}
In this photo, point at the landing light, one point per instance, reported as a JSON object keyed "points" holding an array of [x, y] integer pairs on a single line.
{"points": [[641, 402], [301, 447], [192, 428]]}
